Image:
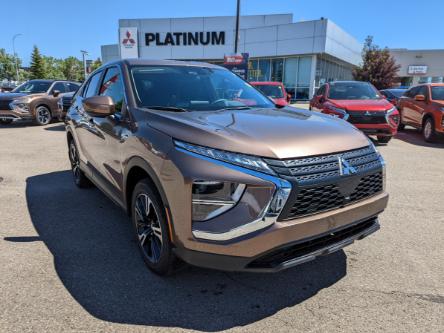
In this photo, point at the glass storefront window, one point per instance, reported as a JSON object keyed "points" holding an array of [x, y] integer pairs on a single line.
{"points": [[290, 72], [277, 66], [304, 71], [264, 70]]}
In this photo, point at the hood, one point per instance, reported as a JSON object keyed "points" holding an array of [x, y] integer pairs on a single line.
{"points": [[363, 105], [11, 96], [272, 133]]}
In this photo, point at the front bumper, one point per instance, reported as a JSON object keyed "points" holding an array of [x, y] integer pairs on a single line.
{"points": [[14, 115], [287, 255], [377, 129], [239, 252]]}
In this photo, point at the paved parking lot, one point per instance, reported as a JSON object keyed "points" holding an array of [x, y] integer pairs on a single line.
{"points": [[68, 262]]}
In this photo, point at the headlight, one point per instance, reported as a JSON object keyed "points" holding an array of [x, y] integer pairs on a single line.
{"points": [[212, 198], [246, 161], [21, 104], [341, 113], [393, 117]]}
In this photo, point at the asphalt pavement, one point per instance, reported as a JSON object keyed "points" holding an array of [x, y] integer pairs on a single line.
{"points": [[68, 262]]}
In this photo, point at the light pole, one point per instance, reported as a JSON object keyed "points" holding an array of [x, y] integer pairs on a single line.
{"points": [[84, 53], [237, 27], [15, 56]]}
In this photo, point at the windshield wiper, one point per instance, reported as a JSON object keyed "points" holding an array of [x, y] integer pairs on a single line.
{"points": [[166, 108]]}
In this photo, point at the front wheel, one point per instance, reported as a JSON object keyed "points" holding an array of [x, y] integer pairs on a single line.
{"points": [[42, 116], [149, 219], [79, 176], [428, 131], [384, 139]]}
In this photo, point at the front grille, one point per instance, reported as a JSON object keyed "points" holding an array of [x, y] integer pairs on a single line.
{"points": [[311, 170], [320, 182], [322, 198], [367, 117], [4, 105], [316, 245]]}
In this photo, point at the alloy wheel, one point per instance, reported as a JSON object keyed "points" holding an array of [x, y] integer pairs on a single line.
{"points": [[43, 115], [75, 162], [149, 231], [428, 129]]}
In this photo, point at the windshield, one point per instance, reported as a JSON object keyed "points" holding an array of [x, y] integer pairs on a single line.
{"points": [[272, 91], [438, 93], [352, 90], [193, 89], [33, 87]]}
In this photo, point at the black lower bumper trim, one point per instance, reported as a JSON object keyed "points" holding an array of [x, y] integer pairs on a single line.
{"points": [[285, 256]]}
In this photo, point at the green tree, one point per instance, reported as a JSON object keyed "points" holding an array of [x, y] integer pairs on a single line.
{"points": [[37, 69], [53, 68], [378, 66], [72, 69], [96, 64], [7, 66]]}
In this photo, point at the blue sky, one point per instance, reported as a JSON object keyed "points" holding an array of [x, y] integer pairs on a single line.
{"points": [[62, 28]]}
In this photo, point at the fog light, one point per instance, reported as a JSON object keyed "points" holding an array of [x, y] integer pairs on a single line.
{"points": [[212, 198]]}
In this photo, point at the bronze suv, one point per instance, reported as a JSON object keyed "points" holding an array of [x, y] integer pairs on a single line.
{"points": [[213, 173]]}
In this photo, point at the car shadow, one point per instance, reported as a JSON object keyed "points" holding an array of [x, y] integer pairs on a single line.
{"points": [[414, 137], [98, 262], [56, 128]]}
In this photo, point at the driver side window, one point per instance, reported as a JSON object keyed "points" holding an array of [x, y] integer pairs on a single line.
{"points": [[112, 86]]}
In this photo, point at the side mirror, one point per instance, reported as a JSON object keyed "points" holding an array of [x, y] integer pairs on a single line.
{"points": [[321, 99], [55, 93], [99, 106], [288, 98], [420, 98]]}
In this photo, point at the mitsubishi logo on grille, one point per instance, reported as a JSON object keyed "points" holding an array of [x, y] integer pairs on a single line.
{"points": [[367, 113], [345, 169]]}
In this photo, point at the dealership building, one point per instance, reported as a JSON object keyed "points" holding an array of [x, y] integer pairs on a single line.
{"points": [[419, 66], [302, 55]]}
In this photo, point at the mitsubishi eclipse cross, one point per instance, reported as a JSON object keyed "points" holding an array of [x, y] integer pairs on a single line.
{"points": [[210, 171]]}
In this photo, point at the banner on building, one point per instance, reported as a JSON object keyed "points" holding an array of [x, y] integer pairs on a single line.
{"points": [[238, 64], [128, 43]]}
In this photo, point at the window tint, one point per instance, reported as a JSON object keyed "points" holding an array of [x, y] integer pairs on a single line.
{"points": [[72, 87], [423, 91], [321, 91], [112, 86], [412, 92], [438, 93], [93, 83], [60, 86], [353, 91]]}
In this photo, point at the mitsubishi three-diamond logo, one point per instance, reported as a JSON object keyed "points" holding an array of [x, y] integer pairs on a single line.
{"points": [[345, 169], [128, 41]]}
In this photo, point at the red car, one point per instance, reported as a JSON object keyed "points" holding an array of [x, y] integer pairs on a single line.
{"points": [[275, 90], [361, 104]]}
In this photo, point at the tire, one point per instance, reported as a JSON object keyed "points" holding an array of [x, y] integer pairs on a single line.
{"points": [[428, 130], [79, 176], [151, 229], [384, 139], [5, 121], [43, 115]]}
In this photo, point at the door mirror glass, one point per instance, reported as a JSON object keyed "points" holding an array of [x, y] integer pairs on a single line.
{"points": [[420, 98], [99, 106]]}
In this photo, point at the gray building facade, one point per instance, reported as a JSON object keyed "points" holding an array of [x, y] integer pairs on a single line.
{"points": [[303, 55], [419, 66]]}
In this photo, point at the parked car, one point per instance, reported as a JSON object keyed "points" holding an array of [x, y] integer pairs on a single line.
{"points": [[275, 90], [34, 100], [211, 172], [360, 104], [64, 103], [423, 107], [393, 95]]}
